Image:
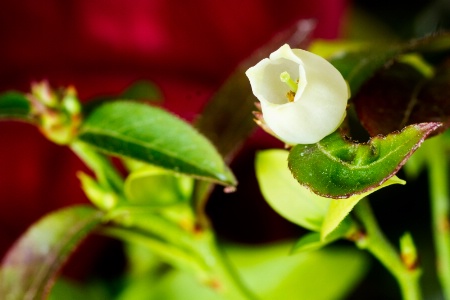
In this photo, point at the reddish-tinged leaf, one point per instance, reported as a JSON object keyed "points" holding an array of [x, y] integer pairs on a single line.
{"points": [[30, 267], [400, 95]]}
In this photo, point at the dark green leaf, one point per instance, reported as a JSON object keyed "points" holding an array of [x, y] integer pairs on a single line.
{"points": [[138, 91], [142, 90], [358, 66], [152, 135], [14, 105], [338, 168], [29, 268]]}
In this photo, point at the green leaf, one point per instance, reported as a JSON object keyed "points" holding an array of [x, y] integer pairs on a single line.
{"points": [[152, 135], [338, 168], [326, 274], [339, 209], [153, 186], [270, 272], [313, 241], [283, 193], [142, 90], [358, 66], [30, 266], [14, 105]]}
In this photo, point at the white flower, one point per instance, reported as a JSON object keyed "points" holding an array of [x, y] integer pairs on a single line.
{"points": [[303, 97]]}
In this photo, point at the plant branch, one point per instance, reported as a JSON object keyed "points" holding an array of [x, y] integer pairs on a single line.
{"points": [[377, 244]]}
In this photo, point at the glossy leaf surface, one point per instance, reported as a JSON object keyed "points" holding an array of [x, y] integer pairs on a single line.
{"points": [[30, 266], [152, 135], [338, 168]]}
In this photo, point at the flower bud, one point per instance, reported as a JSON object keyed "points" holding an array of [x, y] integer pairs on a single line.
{"points": [[303, 97]]}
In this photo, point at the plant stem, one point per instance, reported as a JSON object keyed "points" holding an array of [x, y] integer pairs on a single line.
{"points": [[99, 164], [377, 244], [228, 283], [439, 194]]}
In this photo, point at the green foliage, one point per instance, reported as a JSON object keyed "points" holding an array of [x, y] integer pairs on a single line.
{"points": [[153, 186], [14, 105], [142, 90], [299, 205], [341, 208], [338, 168], [149, 134], [269, 272], [313, 241], [357, 66], [283, 193], [30, 266]]}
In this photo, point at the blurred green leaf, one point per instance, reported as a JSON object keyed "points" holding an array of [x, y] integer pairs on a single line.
{"points": [[14, 105], [358, 66], [268, 270], [313, 241], [30, 266], [154, 136], [101, 197], [339, 209], [153, 186], [106, 175], [69, 290], [283, 193], [142, 90], [326, 274], [338, 168]]}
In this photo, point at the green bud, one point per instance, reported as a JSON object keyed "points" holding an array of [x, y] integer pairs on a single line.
{"points": [[408, 251], [70, 102]]}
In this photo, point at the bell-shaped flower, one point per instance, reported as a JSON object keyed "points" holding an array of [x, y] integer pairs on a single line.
{"points": [[303, 97]]}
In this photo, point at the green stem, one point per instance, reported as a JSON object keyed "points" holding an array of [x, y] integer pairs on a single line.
{"points": [[377, 244], [104, 171], [228, 282], [439, 194]]}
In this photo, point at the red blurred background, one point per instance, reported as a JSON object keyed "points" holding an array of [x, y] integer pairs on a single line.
{"points": [[188, 48]]}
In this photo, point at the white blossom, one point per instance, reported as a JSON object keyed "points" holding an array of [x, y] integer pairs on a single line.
{"points": [[303, 97]]}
